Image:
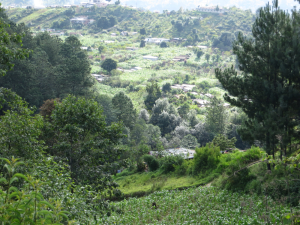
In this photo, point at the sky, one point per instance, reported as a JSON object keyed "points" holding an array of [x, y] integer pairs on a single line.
{"points": [[190, 4]]}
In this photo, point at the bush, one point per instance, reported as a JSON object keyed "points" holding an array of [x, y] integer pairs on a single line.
{"points": [[206, 158], [152, 162], [169, 163]]}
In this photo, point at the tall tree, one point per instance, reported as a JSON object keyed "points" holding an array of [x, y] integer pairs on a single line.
{"points": [[215, 120], [267, 84], [125, 110], [9, 45], [154, 93], [82, 137]]}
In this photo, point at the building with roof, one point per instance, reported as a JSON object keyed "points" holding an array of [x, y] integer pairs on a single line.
{"points": [[184, 152], [156, 40], [82, 20], [181, 58], [211, 9], [149, 57]]}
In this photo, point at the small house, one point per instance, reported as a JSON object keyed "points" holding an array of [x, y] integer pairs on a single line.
{"points": [[131, 48], [181, 58], [149, 57]]}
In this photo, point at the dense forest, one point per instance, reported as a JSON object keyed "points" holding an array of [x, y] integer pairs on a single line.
{"points": [[71, 142]]}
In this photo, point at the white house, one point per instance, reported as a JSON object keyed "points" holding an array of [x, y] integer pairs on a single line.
{"points": [[152, 58], [184, 152], [211, 9], [156, 40]]}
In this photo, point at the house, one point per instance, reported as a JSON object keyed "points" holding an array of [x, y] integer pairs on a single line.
{"points": [[99, 77], [131, 48], [184, 87], [113, 34], [84, 48], [156, 40], [200, 102], [181, 58], [211, 9], [202, 47], [133, 33], [184, 152], [209, 95], [109, 42], [153, 58], [50, 30], [67, 6], [58, 34], [82, 20], [124, 33], [88, 4]]}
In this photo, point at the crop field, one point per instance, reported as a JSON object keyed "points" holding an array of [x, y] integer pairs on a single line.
{"points": [[204, 205]]}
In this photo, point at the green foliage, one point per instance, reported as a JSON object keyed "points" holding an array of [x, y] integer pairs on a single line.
{"points": [[101, 49], [124, 109], [109, 65], [152, 162], [199, 54], [166, 87], [143, 31], [154, 93], [104, 22], [19, 127], [169, 162], [216, 117], [54, 69], [199, 204], [82, 137], [163, 44], [9, 47], [206, 158], [26, 204], [223, 142]]}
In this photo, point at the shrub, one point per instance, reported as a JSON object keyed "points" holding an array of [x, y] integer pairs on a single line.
{"points": [[152, 162], [169, 163], [206, 158]]}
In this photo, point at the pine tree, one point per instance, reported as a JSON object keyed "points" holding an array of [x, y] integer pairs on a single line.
{"points": [[267, 84]]}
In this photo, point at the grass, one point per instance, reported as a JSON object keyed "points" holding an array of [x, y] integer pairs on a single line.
{"points": [[154, 181]]}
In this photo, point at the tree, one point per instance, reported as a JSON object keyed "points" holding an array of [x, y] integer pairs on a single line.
{"points": [[143, 31], [217, 8], [154, 93], [216, 117], [144, 115], [124, 109], [199, 54], [9, 47], [20, 129], [163, 44], [189, 141], [117, 2], [266, 86], [142, 44], [83, 139], [207, 57], [109, 65], [223, 142], [165, 116], [166, 87], [179, 25], [192, 118], [101, 49], [184, 109]]}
